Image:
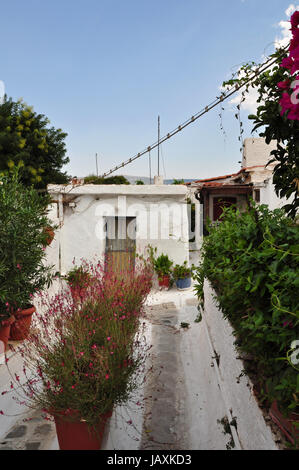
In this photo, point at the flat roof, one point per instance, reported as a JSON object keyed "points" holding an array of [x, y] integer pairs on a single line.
{"points": [[120, 189]]}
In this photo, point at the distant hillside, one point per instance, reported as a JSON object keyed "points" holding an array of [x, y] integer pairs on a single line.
{"points": [[146, 180]]}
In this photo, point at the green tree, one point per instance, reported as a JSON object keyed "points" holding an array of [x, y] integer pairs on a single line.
{"points": [[175, 181], [139, 182], [27, 141], [117, 179]]}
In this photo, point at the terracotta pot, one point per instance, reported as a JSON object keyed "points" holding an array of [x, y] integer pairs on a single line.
{"points": [[50, 235], [164, 281], [5, 327], [285, 424], [76, 435], [20, 328]]}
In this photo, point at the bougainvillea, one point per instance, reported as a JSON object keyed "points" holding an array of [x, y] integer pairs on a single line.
{"points": [[290, 97]]}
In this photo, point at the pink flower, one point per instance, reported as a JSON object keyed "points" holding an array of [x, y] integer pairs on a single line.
{"points": [[295, 21], [19, 266], [287, 63], [107, 376], [109, 338], [284, 85]]}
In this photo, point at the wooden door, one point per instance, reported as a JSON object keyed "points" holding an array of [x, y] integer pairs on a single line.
{"points": [[120, 243]]}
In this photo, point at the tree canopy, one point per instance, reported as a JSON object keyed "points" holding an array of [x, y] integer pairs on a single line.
{"points": [[27, 142], [117, 179]]}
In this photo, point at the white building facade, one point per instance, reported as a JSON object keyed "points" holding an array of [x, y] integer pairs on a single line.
{"points": [[95, 219]]}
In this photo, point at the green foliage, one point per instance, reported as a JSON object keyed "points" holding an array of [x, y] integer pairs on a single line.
{"points": [[118, 179], [139, 182], [26, 141], [178, 181], [78, 277], [181, 271], [22, 239], [276, 127], [251, 260], [161, 264]]}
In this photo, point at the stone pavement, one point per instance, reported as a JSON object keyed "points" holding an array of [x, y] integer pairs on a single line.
{"points": [[33, 434], [164, 426]]}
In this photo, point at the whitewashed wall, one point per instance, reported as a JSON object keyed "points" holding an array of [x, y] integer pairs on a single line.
{"points": [[237, 390], [269, 197]]}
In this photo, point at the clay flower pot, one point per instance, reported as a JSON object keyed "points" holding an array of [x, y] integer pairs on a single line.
{"points": [[164, 281], [49, 232], [76, 435], [20, 328], [5, 327]]}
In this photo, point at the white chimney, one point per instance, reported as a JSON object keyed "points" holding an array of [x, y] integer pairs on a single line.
{"points": [[158, 180]]}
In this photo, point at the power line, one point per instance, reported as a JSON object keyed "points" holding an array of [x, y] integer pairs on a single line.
{"points": [[224, 96]]}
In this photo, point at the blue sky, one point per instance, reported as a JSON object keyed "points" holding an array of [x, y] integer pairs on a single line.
{"points": [[102, 70]]}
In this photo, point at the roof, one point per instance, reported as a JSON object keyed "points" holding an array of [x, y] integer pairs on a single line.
{"points": [[119, 189], [226, 188], [232, 175]]}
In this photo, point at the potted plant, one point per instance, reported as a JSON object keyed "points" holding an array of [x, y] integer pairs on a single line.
{"points": [[78, 279], [162, 266], [182, 276], [49, 235], [86, 358], [23, 273]]}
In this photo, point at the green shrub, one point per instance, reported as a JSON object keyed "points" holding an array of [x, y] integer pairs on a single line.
{"points": [[181, 271], [22, 239], [251, 260]]}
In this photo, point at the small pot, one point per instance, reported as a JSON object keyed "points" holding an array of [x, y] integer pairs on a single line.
{"points": [[50, 235], [76, 435], [20, 328], [183, 283], [5, 327], [164, 281]]}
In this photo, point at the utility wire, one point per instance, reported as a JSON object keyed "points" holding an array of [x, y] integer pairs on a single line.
{"points": [[224, 96]]}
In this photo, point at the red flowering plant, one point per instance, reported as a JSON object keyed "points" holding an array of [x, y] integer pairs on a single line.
{"points": [[290, 98], [82, 358]]}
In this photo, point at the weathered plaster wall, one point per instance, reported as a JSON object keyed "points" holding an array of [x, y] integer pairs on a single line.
{"points": [[253, 432], [269, 197], [256, 152]]}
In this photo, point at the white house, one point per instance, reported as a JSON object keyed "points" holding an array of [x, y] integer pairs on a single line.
{"points": [[254, 180], [95, 220]]}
